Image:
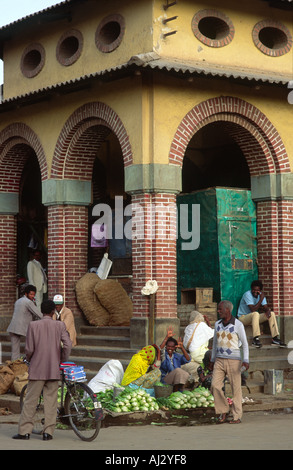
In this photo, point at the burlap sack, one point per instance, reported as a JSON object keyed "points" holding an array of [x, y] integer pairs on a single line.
{"points": [[19, 382], [114, 298], [6, 379], [18, 367], [86, 298]]}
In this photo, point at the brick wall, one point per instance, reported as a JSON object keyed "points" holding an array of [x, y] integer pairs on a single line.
{"points": [[7, 263], [67, 250], [154, 253]]}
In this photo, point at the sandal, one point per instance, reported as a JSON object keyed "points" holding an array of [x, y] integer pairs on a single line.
{"points": [[222, 418], [235, 421]]}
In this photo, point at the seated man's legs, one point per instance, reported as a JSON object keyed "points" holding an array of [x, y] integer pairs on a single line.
{"points": [[272, 323], [251, 319]]}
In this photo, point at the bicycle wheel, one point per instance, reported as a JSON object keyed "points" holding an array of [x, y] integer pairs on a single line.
{"points": [[83, 410], [39, 417]]}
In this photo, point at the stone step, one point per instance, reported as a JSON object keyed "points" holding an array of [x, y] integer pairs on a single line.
{"points": [[109, 341], [102, 352], [123, 331]]}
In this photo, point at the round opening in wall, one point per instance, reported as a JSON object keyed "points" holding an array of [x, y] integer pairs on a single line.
{"points": [[69, 47], [272, 38], [110, 33], [32, 60], [212, 28]]}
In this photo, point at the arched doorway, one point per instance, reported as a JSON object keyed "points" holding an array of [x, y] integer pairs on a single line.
{"points": [[92, 139], [266, 156], [108, 188], [216, 181], [32, 217], [18, 146]]}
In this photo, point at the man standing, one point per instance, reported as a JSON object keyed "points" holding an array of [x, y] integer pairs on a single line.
{"points": [[24, 312], [44, 352], [37, 277], [226, 361], [252, 301], [65, 314]]}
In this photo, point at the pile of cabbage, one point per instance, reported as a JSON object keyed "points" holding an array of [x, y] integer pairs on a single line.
{"points": [[197, 398], [131, 400]]}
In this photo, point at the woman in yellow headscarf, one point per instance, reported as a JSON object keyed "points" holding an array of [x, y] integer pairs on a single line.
{"points": [[137, 370]]}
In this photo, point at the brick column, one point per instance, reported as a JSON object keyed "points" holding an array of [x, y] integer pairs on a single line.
{"points": [[67, 202], [8, 256], [275, 237], [8, 253], [154, 258], [67, 250], [267, 251]]}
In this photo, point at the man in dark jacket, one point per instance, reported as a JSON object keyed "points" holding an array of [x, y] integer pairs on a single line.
{"points": [[47, 344]]}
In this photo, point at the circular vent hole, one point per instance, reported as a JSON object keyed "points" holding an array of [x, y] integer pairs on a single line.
{"points": [[273, 38], [213, 28], [32, 60], [69, 47], [110, 32]]}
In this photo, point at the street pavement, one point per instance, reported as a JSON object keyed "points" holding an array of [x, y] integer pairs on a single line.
{"points": [[260, 430]]}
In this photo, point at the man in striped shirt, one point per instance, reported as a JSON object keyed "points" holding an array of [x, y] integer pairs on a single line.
{"points": [[226, 360]]}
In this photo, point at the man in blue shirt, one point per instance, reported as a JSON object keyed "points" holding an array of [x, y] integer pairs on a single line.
{"points": [[171, 362], [248, 313]]}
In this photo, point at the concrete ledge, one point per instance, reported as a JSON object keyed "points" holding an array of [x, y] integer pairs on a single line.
{"points": [[272, 186], [73, 192], [153, 178]]}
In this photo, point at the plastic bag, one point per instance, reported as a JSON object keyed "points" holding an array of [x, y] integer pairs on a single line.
{"points": [[111, 373]]}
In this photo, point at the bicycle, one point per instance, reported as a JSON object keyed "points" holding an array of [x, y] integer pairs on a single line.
{"points": [[78, 407]]}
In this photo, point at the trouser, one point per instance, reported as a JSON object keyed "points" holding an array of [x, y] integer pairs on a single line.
{"points": [[231, 369], [34, 390], [255, 319], [176, 377], [15, 346], [39, 298]]}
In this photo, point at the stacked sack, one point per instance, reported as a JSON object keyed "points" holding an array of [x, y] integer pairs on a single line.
{"points": [[104, 302], [13, 376]]}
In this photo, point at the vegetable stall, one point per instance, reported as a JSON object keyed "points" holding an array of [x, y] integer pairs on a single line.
{"points": [[138, 406]]}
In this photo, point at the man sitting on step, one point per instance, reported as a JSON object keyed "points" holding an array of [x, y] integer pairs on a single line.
{"points": [[248, 313]]}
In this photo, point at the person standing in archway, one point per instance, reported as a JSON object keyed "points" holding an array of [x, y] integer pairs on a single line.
{"points": [[24, 312], [37, 277]]}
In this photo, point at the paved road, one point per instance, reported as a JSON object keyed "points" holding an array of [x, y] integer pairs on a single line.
{"points": [[258, 431]]}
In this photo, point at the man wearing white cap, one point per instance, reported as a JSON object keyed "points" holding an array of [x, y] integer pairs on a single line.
{"points": [[65, 314]]}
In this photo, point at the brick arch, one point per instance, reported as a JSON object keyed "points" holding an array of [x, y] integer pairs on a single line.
{"points": [[257, 137], [86, 129], [17, 141]]}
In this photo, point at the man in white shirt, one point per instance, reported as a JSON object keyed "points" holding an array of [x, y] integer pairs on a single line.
{"points": [[248, 313], [37, 277]]}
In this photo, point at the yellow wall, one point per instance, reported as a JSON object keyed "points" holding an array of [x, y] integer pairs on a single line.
{"points": [[240, 53], [150, 112], [151, 109], [85, 19], [144, 33]]}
